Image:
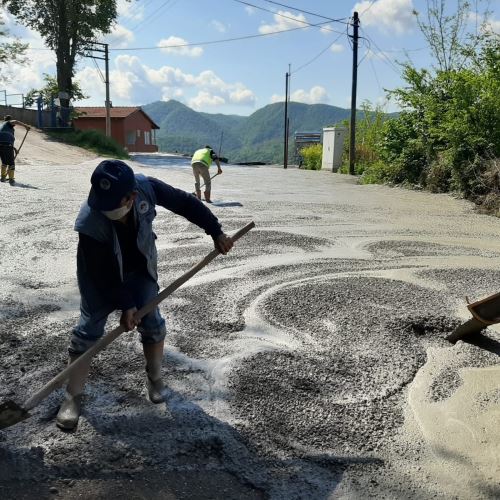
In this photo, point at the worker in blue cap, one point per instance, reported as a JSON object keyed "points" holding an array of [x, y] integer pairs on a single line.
{"points": [[116, 267]]}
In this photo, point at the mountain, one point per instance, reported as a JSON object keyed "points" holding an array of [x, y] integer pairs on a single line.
{"points": [[258, 137]]}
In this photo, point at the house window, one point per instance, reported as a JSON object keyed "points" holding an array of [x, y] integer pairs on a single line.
{"points": [[147, 137], [138, 133], [131, 137]]}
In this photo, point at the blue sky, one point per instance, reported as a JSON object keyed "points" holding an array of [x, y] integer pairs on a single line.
{"points": [[241, 76]]}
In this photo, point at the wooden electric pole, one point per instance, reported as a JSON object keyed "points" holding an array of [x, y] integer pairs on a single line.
{"points": [[285, 141], [352, 137], [108, 103]]}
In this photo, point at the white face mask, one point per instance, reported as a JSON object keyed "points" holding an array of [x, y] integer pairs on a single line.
{"points": [[117, 213]]}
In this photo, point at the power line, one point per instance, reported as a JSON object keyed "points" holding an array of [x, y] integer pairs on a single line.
{"points": [[307, 12], [376, 76], [317, 55], [211, 42], [289, 17], [368, 8], [381, 53], [145, 20], [98, 69]]}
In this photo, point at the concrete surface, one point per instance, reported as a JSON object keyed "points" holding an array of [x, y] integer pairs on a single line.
{"points": [[308, 363]]}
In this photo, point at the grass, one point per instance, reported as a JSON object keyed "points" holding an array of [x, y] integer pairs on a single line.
{"points": [[93, 140]]}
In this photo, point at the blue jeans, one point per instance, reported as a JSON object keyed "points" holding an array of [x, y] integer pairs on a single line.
{"points": [[94, 314]]}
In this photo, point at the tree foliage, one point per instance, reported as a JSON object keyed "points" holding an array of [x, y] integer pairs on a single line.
{"points": [[66, 27], [449, 129], [12, 51], [51, 90]]}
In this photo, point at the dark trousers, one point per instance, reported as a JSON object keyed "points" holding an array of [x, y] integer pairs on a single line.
{"points": [[7, 154]]}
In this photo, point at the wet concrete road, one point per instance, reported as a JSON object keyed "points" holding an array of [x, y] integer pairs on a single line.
{"points": [[308, 363]]}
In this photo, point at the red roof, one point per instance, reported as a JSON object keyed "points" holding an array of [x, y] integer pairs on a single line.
{"points": [[118, 112]]}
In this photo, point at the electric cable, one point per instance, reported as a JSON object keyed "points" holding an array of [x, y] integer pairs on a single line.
{"points": [[211, 42], [317, 55], [368, 8], [98, 69], [144, 22], [288, 17], [306, 11], [381, 53]]}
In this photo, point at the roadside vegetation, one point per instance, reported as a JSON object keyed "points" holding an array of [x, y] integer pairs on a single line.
{"points": [[92, 140], [312, 157], [447, 136]]}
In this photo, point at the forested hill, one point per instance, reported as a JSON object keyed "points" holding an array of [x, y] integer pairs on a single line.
{"points": [[258, 137]]}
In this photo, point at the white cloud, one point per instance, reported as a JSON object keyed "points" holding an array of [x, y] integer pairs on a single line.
{"points": [[171, 44], [485, 25], [220, 27], [133, 82], [394, 16], [493, 25], [41, 60], [130, 10], [119, 37], [326, 29], [315, 95], [242, 96], [284, 23], [168, 94], [250, 10], [205, 99], [337, 47]]}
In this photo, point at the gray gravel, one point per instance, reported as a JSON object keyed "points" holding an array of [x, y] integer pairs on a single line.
{"points": [[289, 362]]}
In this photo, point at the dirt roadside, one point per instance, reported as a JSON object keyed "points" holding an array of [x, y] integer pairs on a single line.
{"points": [[38, 148]]}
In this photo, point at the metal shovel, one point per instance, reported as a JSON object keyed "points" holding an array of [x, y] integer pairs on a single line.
{"points": [[485, 312], [11, 413]]}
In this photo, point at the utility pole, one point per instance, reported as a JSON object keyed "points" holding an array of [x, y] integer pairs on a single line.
{"points": [[285, 142], [106, 82], [103, 48], [352, 138]]}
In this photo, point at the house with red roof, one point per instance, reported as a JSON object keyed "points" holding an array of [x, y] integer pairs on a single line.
{"points": [[130, 126]]}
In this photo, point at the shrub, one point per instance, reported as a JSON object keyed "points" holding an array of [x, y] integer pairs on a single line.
{"points": [[438, 178], [93, 140], [313, 156], [381, 172]]}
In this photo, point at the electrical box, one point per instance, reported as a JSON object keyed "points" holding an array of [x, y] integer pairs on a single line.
{"points": [[333, 147]]}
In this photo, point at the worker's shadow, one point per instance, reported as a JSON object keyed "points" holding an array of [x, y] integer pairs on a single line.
{"points": [[141, 442], [24, 186]]}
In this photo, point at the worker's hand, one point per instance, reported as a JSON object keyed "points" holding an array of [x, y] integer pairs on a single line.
{"points": [[219, 171], [223, 243], [128, 320]]}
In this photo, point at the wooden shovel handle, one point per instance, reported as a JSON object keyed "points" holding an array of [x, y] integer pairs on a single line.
{"points": [[103, 342], [22, 142]]}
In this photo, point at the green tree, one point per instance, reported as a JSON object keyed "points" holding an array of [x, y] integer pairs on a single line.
{"points": [[51, 90], [11, 51], [66, 27]]}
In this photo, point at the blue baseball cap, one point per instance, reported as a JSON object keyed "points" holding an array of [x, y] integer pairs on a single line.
{"points": [[111, 181]]}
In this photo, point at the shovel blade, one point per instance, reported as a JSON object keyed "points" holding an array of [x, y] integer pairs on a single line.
{"points": [[470, 327], [11, 413]]}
